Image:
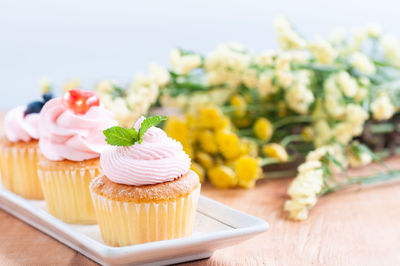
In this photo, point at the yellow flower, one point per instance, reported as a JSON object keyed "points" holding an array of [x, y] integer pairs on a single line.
{"points": [[72, 84], [208, 142], [249, 147], [188, 149], [240, 104], [198, 170], [263, 129], [225, 124], [211, 117], [228, 144], [177, 129], [275, 150], [222, 176], [247, 171], [204, 159]]}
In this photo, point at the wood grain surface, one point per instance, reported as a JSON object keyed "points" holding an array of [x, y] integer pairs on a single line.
{"points": [[353, 227]]}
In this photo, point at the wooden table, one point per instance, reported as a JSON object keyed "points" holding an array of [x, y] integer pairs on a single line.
{"points": [[353, 227]]}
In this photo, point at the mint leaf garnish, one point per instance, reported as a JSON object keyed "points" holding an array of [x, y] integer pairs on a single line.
{"points": [[119, 136], [148, 123]]}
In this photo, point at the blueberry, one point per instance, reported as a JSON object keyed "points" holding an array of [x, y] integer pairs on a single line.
{"points": [[47, 97], [33, 107]]}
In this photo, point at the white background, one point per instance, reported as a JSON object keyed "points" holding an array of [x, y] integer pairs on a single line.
{"points": [[96, 39]]}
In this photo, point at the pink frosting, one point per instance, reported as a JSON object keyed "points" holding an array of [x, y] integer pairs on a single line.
{"points": [[157, 159], [66, 135], [19, 128]]}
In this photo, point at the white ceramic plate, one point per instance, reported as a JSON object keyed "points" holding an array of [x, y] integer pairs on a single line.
{"points": [[216, 226]]}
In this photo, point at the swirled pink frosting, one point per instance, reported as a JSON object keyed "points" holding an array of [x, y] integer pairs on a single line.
{"points": [[66, 135], [18, 127], [157, 159]]}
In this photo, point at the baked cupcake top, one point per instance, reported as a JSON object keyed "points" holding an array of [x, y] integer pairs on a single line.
{"points": [[71, 127], [154, 192], [143, 155], [21, 123]]}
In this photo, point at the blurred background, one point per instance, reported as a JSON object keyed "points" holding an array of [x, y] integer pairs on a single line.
{"points": [[93, 40]]}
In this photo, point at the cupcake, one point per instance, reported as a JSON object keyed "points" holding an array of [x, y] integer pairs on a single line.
{"points": [[19, 150], [71, 139], [147, 192]]}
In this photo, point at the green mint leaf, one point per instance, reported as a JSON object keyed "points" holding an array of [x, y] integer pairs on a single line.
{"points": [[148, 123], [119, 136]]}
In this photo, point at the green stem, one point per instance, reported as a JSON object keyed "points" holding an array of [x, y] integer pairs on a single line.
{"points": [[382, 128], [279, 174], [267, 161], [293, 119], [251, 107], [291, 138], [378, 178], [245, 131]]}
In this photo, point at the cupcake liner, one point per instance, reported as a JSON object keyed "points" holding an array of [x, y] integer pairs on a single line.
{"points": [[128, 223], [67, 194], [18, 168]]}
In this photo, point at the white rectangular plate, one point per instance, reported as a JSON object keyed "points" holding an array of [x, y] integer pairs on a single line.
{"points": [[216, 226]]}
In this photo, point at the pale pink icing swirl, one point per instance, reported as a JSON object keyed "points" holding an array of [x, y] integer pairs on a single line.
{"points": [[18, 127], [157, 159], [66, 135]]}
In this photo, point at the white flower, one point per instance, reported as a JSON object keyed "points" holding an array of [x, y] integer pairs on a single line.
{"points": [[180, 102], [318, 153], [119, 107], [337, 35], [359, 160], [307, 183], [284, 78], [323, 51], [373, 30], [105, 86], [158, 74], [298, 57], [308, 166], [391, 49], [361, 94], [304, 190], [382, 108], [343, 132], [359, 34], [283, 62], [323, 133], [362, 63], [287, 37], [355, 114], [250, 78], [298, 209], [347, 84], [266, 58], [299, 98], [183, 64], [333, 97], [226, 65], [265, 84]]}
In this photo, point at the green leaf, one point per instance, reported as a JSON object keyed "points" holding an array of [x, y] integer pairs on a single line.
{"points": [[148, 123], [119, 136]]}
